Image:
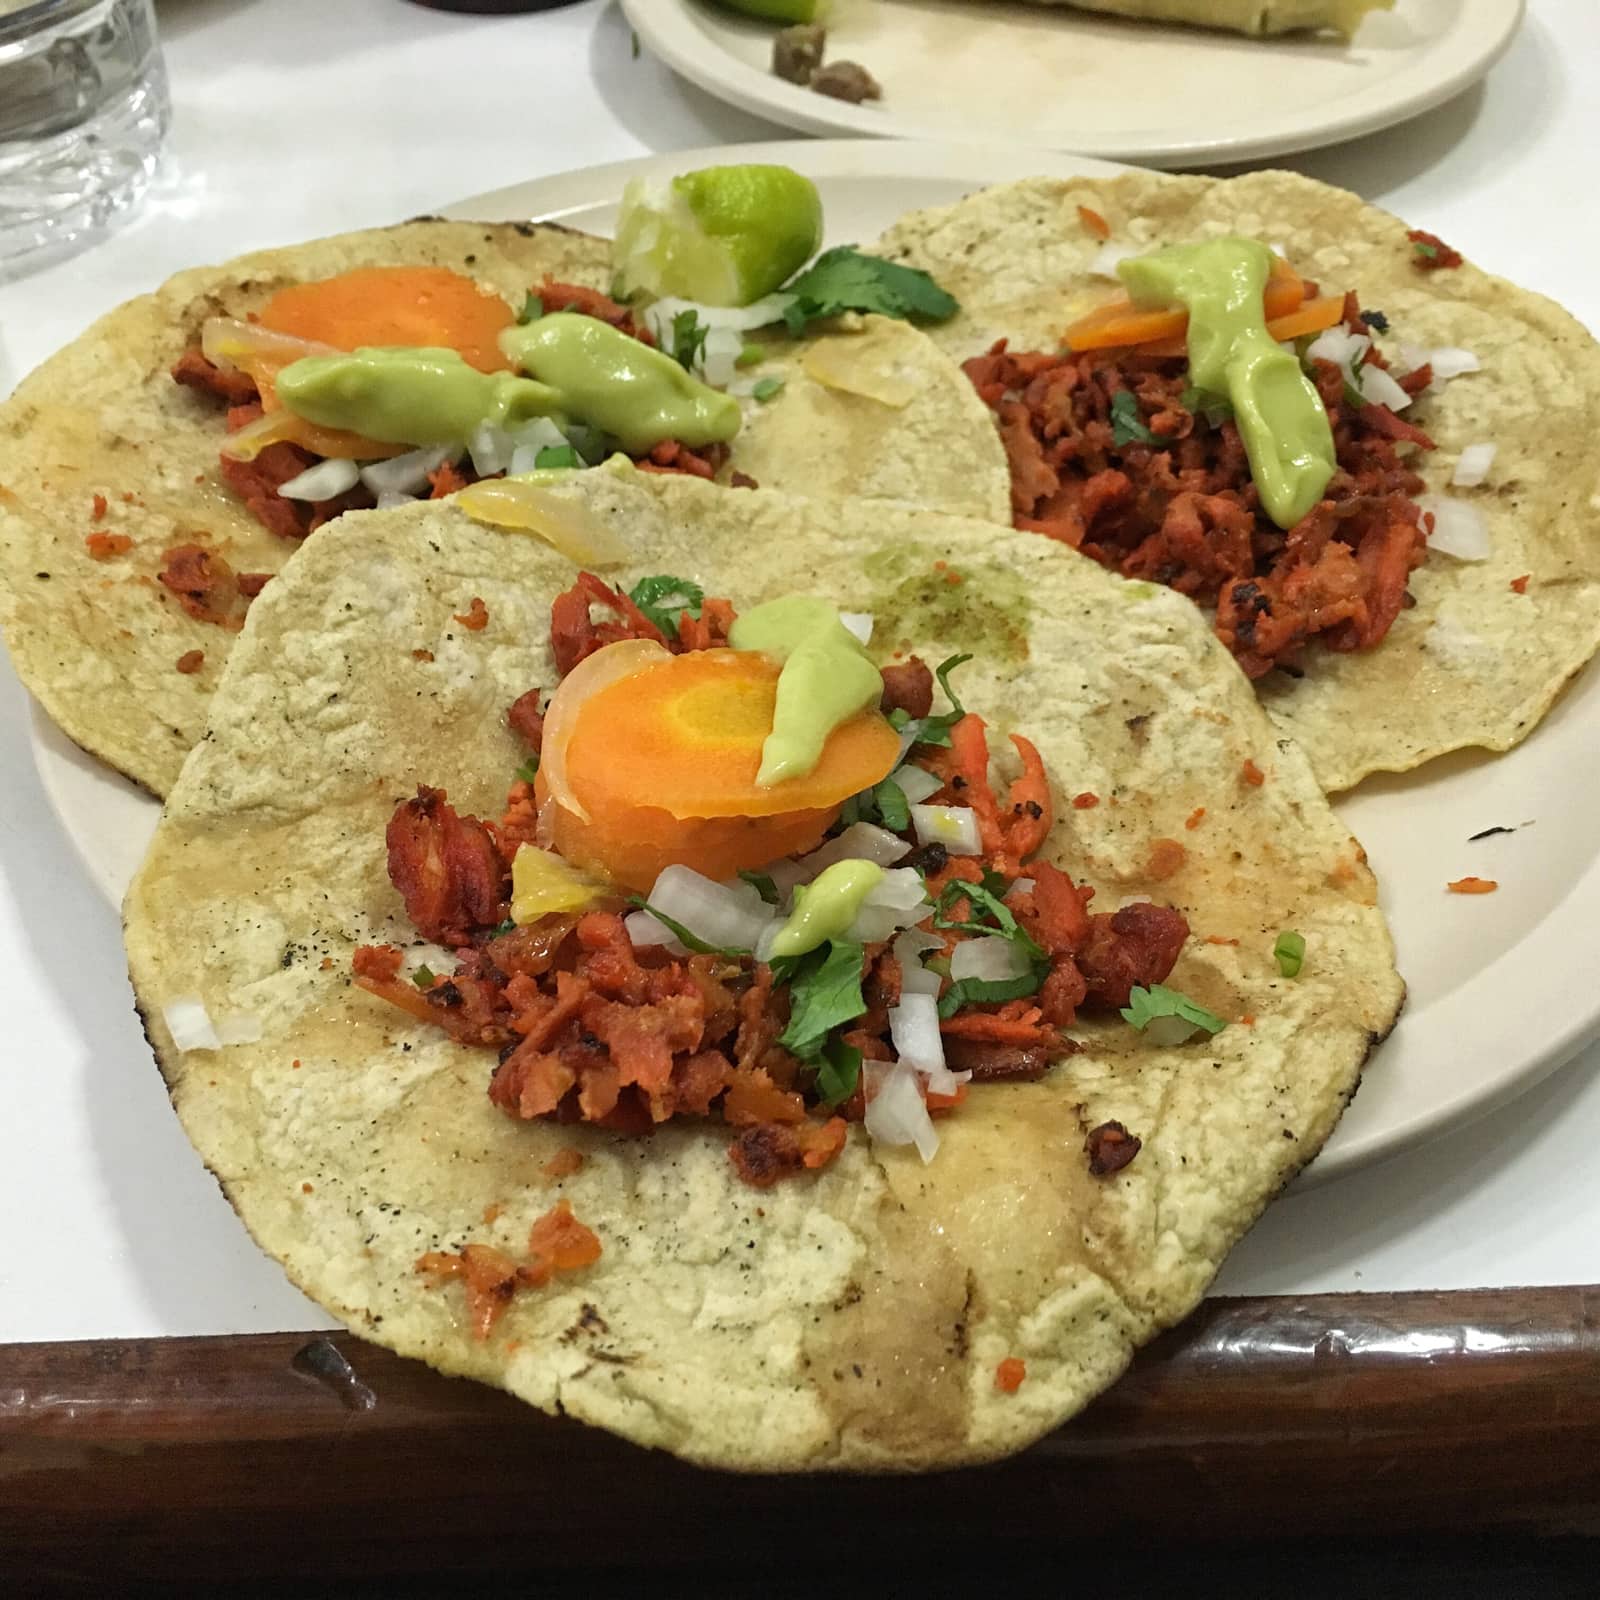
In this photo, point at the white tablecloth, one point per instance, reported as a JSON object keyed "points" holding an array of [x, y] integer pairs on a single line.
{"points": [[300, 117]]}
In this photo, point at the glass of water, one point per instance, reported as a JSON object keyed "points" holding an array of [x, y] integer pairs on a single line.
{"points": [[83, 112]]}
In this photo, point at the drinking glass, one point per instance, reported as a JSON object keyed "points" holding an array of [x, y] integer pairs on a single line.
{"points": [[83, 112]]}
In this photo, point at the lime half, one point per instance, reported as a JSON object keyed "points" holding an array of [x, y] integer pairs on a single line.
{"points": [[774, 10], [723, 236]]}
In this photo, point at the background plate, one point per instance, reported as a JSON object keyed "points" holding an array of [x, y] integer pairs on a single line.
{"points": [[1496, 1001], [1068, 80]]}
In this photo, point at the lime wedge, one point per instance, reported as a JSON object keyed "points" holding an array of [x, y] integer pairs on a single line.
{"points": [[723, 236], [774, 10]]}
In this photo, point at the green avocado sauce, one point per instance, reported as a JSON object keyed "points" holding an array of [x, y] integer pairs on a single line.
{"points": [[988, 611], [827, 678], [407, 395], [581, 369], [825, 908], [1278, 411], [617, 384]]}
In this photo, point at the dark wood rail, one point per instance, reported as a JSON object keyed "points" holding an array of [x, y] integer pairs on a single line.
{"points": [[293, 1453]]}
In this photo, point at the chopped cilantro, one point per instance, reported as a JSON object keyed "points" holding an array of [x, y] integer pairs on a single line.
{"points": [[664, 598], [1127, 422], [1429, 252], [973, 991], [824, 993], [690, 941], [750, 355], [844, 279], [508, 926], [995, 883], [935, 729], [1290, 952], [1215, 408], [762, 883], [984, 904], [1148, 1005], [532, 310], [1375, 320], [424, 977], [529, 770], [557, 455], [893, 810], [688, 339], [838, 1071], [767, 388], [590, 443]]}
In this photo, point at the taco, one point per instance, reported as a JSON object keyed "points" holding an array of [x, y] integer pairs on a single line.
{"points": [[1439, 590], [416, 1030], [1258, 18], [146, 497]]}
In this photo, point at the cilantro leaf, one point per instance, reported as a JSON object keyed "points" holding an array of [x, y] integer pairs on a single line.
{"points": [[529, 770], [1150, 1005], [935, 728], [532, 310], [984, 904], [1290, 952], [838, 1071], [690, 941], [970, 991], [767, 389], [1127, 422], [1429, 252], [663, 597], [688, 339], [844, 279], [995, 883], [557, 455], [423, 977], [823, 995], [750, 355], [893, 809], [762, 883]]}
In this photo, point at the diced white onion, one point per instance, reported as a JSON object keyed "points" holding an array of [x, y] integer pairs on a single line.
{"points": [[731, 918], [1414, 356], [1021, 886], [861, 841], [407, 474], [719, 356], [242, 1027], [909, 950], [189, 1023], [1459, 528], [955, 827], [539, 434], [325, 481], [1167, 1031], [859, 623], [1340, 346], [645, 932], [916, 783], [1449, 362], [785, 875], [389, 500], [1379, 389], [1472, 465], [741, 319], [1104, 262], [897, 901], [491, 449], [914, 1031], [896, 1112], [992, 960]]}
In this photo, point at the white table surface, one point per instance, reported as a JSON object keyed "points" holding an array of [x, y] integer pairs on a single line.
{"points": [[295, 118]]}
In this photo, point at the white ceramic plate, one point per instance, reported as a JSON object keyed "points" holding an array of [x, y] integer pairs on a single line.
{"points": [[1499, 995], [1068, 80]]}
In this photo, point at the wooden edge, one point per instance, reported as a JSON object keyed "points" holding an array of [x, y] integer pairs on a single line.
{"points": [[293, 1453]]}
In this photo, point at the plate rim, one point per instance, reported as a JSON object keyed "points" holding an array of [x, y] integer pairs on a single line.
{"points": [[669, 29], [57, 758]]}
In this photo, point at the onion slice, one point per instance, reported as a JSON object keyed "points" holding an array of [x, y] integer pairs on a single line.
{"points": [[914, 1031], [915, 783], [566, 525], [1379, 389], [858, 623], [190, 1023], [861, 841], [599, 671], [897, 1114], [955, 827], [1459, 528], [230, 342], [993, 960], [733, 918]]}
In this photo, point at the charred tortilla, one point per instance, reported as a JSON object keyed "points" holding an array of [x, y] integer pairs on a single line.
{"points": [[857, 1319], [1487, 646], [101, 442]]}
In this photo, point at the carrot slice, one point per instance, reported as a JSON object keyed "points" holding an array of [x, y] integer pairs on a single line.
{"points": [[1312, 317], [665, 761], [1119, 322], [396, 306]]}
